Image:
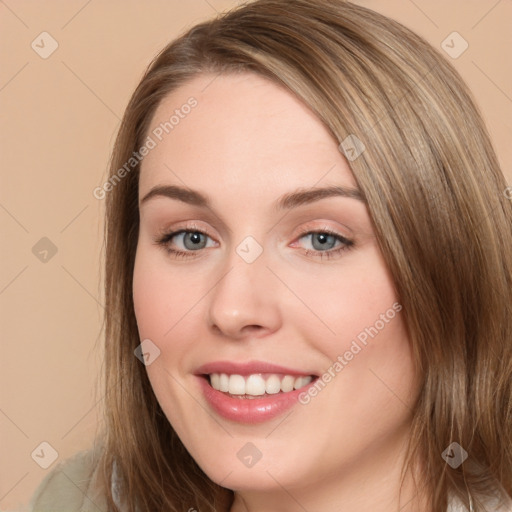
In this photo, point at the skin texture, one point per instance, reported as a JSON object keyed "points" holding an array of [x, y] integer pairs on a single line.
{"points": [[246, 143]]}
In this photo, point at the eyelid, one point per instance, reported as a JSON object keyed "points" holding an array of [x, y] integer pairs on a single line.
{"points": [[304, 230], [193, 226], [325, 228]]}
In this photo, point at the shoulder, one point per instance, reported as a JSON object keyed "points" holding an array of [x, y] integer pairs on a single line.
{"points": [[71, 486]]}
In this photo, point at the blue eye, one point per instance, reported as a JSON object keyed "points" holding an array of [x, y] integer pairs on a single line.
{"points": [[194, 240], [323, 239]]}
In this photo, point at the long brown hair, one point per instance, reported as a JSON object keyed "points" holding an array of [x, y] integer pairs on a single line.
{"points": [[436, 196]]}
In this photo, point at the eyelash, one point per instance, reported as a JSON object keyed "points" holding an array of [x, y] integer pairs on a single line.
{"points": [[164, 239]]}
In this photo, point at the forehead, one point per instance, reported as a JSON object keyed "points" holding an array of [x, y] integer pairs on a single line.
{"points": [[242, 128]]}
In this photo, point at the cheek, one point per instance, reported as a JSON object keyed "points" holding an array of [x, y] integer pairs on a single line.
{"points": [[167, 309], [158, 309], [157, 302], [357, 303], [364, 339], [147, 298]]}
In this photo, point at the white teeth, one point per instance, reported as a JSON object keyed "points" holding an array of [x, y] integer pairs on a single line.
{"points": [[236, 385], [257, 384], [224, 383], [215, 380], [287, 384], [273, 385], [300, 382]]}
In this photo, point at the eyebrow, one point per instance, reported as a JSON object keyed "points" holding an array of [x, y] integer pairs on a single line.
{"points": [[288, 201]]}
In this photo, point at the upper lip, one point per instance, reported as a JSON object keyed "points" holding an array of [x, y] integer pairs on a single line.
{"points": [[247, 368]]}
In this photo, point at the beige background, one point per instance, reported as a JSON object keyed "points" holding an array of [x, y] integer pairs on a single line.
{"points": [[59, 118]]}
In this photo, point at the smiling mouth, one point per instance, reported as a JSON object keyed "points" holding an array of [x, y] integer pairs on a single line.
{"points": [[258, 385]]}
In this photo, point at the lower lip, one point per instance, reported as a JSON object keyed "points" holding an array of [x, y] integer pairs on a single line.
{"points": [[250, 410]]}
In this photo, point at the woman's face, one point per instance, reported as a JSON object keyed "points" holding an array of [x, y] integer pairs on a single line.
{"points": [[263, 300]]}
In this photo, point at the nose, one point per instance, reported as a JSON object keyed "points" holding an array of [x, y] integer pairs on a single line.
{"points": [[244, 302]]}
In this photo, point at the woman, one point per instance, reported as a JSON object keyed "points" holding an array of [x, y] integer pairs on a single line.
{"points": [[259, 373]]}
